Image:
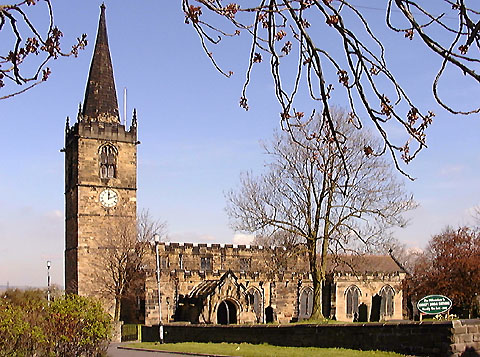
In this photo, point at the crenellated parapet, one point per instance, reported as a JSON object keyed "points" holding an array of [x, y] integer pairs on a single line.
{"points": [[217, 247], [106, 131], [242, 259]]}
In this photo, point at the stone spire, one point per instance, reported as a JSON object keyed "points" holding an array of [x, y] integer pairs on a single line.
{"points": [[100, 102]]}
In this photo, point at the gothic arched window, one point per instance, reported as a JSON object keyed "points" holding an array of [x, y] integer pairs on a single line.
{"points": [[352, 295], [387, 304], [108, 161]]}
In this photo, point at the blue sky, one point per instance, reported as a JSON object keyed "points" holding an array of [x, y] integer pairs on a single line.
{"points": [[195, 139]]}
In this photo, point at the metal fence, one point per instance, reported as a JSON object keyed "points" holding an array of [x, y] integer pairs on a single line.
{"points": [[131, 332]]}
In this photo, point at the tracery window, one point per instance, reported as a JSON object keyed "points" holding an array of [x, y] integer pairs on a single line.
{"points": [[387, 304], [108, 161], [352, 295]]}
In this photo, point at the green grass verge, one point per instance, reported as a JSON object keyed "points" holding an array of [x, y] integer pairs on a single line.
{"points": [[248, 350]]}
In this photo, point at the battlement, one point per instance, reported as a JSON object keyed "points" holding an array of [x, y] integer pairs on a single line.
{"points": [[191, 258], [101, 130], [215, 247]]}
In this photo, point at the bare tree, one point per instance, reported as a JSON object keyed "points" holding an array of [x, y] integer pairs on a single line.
{"points": [[334, 46], [306, 194], [404, 255], [121, 259], [282, 250], [39, 47]]}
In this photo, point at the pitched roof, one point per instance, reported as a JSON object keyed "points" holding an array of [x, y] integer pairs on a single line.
{"points": [[100, 102], [362, 264], [207, 287]]}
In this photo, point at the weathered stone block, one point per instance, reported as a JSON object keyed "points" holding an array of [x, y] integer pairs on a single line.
{"points": [[472, 329], [460, 330]]}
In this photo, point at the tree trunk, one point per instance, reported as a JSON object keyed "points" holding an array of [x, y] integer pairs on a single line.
{"points": [[318, 272], [317, 281], [118, 303]]}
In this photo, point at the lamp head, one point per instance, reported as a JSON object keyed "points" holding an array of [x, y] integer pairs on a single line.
{"points": [[48, 264], [156, 236]]}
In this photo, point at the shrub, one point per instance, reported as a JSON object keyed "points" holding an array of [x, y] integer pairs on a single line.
{"points": [[79, 326], [22, 328], [70, 326]]}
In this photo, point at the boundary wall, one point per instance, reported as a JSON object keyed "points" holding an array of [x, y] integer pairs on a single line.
{"points": [[446, 338]]}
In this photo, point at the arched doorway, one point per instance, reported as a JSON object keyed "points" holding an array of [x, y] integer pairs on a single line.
{"points": [[226, 313]]}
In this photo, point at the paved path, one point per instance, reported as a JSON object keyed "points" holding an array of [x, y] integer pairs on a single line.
{"points": [[113, 351]]}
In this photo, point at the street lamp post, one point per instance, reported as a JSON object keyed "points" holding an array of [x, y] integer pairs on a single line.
{"points": [[160, 324], [48, 281]]}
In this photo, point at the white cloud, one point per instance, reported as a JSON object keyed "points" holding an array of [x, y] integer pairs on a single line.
{"points": [[452, 170], [55, 214], [241, 238], [414, 250]]}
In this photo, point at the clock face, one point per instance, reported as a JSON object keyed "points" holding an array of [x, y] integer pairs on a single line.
{"points": [[108, 198]]}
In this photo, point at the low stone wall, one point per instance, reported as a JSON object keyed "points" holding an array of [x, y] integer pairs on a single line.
{"points": [[447, 338]]}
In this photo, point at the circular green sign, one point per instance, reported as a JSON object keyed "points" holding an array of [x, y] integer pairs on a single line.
{"points": [[434, 304]]}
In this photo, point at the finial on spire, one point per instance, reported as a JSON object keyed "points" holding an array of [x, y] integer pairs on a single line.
{"points": [[67, 124]]}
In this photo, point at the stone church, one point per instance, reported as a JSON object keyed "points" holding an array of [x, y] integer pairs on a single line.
{"points": [[199, 283]]}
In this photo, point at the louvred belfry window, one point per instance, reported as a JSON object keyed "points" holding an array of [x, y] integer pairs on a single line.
{"points": [[108, 162]]}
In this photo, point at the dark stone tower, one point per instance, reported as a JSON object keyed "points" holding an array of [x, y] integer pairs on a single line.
{"points": [[100, 173]]}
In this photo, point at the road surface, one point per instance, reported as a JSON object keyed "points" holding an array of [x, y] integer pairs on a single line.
{"points": [[113, 351]]}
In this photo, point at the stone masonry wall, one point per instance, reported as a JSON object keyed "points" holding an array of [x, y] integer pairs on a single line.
{"points": [[88, 222], [447, 338], [181, 272], [256, 269]]}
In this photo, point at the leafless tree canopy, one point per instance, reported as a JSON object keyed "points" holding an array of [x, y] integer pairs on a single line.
{"points": [[122, 256], [27, 47], [306, 193], [306, 29], [406, 256], [282, 249]]}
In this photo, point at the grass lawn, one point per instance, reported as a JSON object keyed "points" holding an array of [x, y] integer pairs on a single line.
{"points": [[247, 350]]}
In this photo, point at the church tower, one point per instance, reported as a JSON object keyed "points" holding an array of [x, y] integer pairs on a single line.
{"points": [[100, 173]]}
